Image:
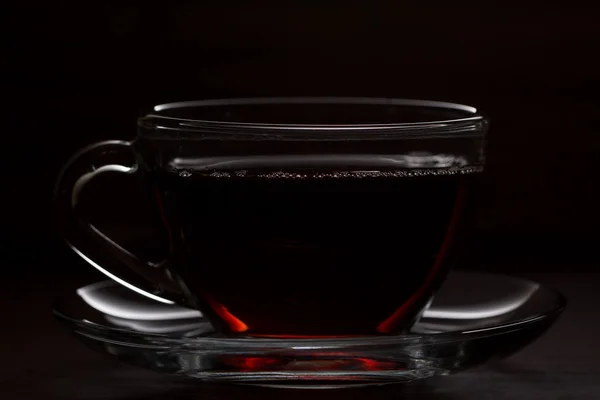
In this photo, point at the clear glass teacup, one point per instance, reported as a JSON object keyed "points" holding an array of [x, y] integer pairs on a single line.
{"points": [[290, 217]]}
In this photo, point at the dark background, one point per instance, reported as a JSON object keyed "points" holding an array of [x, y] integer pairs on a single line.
{"points": [[79, 72], [76, 72]]}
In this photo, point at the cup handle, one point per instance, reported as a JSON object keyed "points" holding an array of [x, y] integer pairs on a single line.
{"points": [[149, 279]]}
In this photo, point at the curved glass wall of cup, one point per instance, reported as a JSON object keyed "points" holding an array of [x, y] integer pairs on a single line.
{"points": [[355, 132]]}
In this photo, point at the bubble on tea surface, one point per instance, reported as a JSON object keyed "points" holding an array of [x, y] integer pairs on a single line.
{"points": [[220, 174]]}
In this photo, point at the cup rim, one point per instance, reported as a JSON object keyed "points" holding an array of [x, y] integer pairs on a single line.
{"points": [[471, 124]]}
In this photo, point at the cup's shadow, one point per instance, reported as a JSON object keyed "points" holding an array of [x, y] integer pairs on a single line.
{"points": [[425, 390]]}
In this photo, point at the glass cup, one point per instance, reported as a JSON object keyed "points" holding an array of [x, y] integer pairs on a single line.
{"points": [[290, 217]]}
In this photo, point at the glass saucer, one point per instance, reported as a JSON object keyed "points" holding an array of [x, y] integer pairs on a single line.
{"points": [[474, 318]]}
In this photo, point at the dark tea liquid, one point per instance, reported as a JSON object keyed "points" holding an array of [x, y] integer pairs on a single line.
{"points": [[311, 252]]}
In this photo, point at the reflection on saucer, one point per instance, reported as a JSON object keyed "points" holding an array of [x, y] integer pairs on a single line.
{"points": [[493, 308], [467, 301], [103, 297]]}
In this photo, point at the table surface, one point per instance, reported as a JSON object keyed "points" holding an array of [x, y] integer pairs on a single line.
{"points": [[40, 359]]}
